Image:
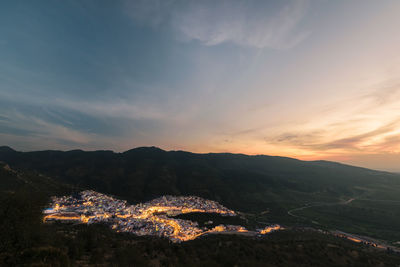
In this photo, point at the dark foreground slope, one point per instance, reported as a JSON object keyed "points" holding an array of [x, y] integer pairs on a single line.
{"points": [[264, 187], [25, 240]]}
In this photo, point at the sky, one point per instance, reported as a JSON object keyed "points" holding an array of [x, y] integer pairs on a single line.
{"points": [[305, 79]]}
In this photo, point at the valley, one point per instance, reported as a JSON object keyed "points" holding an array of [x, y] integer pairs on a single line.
{"points": [[99, 205]]}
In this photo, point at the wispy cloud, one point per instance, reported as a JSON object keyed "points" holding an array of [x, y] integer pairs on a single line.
{"points": [[246, 23], [38, 131], [115, 107], [372, 126], [34, 126], [359, 142], [65, 123]]}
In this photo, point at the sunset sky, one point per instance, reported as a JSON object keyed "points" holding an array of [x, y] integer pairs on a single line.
{"points": [[304, 79]]}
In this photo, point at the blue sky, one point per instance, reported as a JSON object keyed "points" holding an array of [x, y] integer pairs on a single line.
{"points": [[307, 79]]}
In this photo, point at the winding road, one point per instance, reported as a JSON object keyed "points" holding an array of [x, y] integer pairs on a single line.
{"points": [[317, 204]]}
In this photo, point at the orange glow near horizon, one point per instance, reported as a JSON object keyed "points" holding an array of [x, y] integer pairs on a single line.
{"points": [[279, 152], [369, 156]]}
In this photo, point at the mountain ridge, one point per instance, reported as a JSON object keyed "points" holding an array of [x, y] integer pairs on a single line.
{"points": [[154, 149]]}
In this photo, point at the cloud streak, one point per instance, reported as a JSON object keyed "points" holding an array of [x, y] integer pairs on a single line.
{"points": [[370, 127], [245, 23], [359, 142], [37, 127]]}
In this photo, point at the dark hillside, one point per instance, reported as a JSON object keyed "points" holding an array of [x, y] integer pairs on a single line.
{"points": [[25, 240], [247, 183]]}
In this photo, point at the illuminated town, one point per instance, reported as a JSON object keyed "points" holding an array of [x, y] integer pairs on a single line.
{"points": [[155, 217]]}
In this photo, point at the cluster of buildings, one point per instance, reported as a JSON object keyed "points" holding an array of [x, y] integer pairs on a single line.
{"points": [[271, 228], [156, 217], [151, 218]]}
